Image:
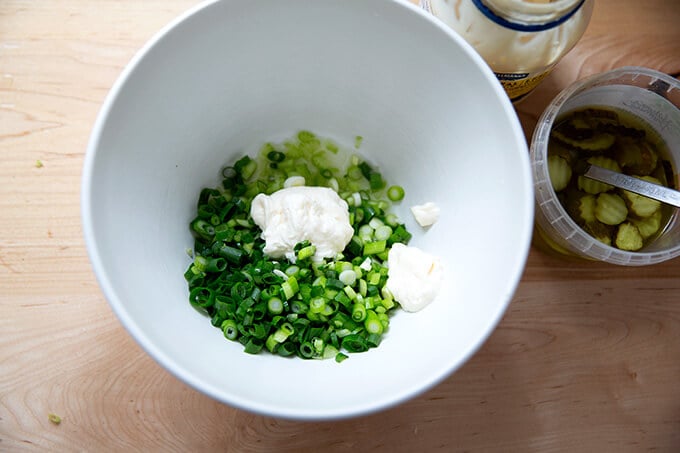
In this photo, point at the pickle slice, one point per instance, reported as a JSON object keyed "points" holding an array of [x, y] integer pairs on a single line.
{"points": [[581, 207], [639, 205], [594, 187], [628, 237], [559, 171], [636, 157], [610, 209], [598, 142], [648, 226]]}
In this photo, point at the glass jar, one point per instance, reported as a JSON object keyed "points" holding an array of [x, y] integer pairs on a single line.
{"points": [[521, 40]]}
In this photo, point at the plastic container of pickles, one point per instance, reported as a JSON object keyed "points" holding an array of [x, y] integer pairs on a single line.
{"points": [[627, 120]]}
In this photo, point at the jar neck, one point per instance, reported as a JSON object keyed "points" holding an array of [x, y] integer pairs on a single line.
{"points": [[530, 13]]}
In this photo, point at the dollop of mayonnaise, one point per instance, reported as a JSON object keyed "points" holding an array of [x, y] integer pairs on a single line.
{"points": [[426, 214], [302, 213], [414, 277]]}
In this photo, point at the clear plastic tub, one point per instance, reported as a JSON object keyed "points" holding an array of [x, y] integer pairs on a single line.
{"points": [[648, 94]]}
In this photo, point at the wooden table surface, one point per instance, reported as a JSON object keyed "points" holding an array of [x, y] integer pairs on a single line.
{"points": [[587, 357]]}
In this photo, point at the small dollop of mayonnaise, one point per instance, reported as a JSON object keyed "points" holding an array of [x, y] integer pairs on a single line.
{"points": [[426, 214], [414, 277], [302, 213]]}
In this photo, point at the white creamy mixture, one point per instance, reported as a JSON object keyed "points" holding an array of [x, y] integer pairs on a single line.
{"points": [[425, 214], [295, 214], [318, 215], [507, 50], [413, 277]]}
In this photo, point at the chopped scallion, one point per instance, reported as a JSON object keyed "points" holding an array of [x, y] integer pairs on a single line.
{"points": [[374, 247], [395, 193], [310, 309]]}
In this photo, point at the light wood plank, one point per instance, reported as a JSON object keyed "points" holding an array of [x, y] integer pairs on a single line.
{"points": [[587, 357]]}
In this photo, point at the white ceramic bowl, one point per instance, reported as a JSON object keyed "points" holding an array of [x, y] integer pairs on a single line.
{"points": [[230, 75]]}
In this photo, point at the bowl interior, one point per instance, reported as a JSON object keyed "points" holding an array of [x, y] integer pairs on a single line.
{"points": [[232, 75]]}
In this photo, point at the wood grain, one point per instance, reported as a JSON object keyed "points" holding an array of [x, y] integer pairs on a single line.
{"points": [[587, 358]]}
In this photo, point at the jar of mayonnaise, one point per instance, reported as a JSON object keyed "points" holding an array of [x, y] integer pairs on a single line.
{"points": [[521, 40]]}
